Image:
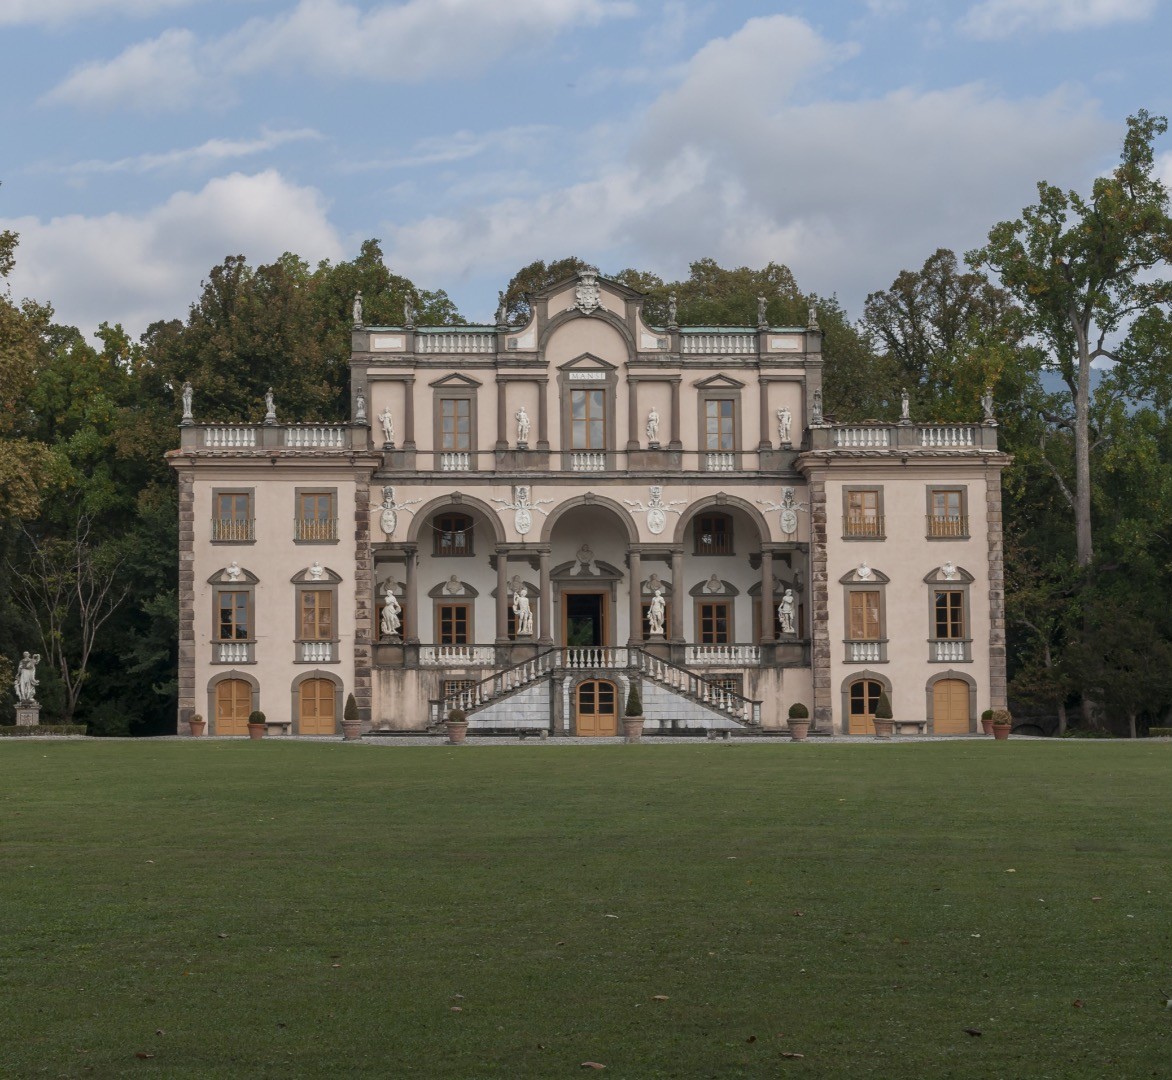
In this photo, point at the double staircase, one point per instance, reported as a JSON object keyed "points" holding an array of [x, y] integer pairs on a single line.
{"points": [[601, 660]]}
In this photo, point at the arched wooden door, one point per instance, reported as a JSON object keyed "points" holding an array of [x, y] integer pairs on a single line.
{"points": [[233, 704], [862, 701], [950, 707], [596, 708], [317, 713]]}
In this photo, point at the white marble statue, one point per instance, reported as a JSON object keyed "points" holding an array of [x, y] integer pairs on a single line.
{"points": [[360, 407], [356, 310], [523, 612], [761, 305], [26, 679], [671, 309], [785, 612], [863, 571], [233, 572], [454, 586], [905, 413], [785, 420], [187, 396], [388, 425], [317, 571], [391, 611], [270, 407], [653, 426], [656, 612], [408, 313], [987, 404], [522, 419], [949, 572], [502, 310]]}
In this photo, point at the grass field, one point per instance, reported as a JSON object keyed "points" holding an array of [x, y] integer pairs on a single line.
{"points": [[243, 909]]}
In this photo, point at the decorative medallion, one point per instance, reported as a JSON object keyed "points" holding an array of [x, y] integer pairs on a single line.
{"points": [[657, 510], [788, 510], [389, 518], [587, 296], [522, 508]]}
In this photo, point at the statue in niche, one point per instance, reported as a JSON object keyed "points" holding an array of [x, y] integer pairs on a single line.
{"points": [[584, 562], [523, 612], [356, 311], [360, 407], [391, 612], [784, 420], [388, 425], [522, 418], [655, 613], [714, 584], [270, 407], [187, 396], [785, 612], [26, 679], [653, 427], [816, 406]]}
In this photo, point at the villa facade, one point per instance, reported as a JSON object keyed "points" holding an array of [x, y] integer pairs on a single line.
{"points": [[524, 521]]}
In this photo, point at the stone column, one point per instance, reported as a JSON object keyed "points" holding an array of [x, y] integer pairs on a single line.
{"points": [[767, 598], [764, 441], [409, 414], [546, 599], [542, 415], [410, 604], [502, 596], [635, 635], [364, 601], [997, 654], [675, 443], [679, 594], [632, 414], [823, 717], [187, 702], [502, 421]]}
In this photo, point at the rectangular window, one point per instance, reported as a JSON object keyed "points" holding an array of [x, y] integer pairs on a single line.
{"points": [[864, 615], [232, 518], [730, 684], [715, 624], [949, 612], [862, 514], [453, 624], [316, 517], [232, 621], [588, 419], [453, 535], [452, 687], [317, 615], [455, 424], [718, 424], [946, 513], [714, 534]]}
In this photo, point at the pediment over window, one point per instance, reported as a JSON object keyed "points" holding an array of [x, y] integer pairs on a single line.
{"points": [[453, 589], [233, 574], [949, 574], [585, 572], [780, 585], [587, 362], [719, 382], [714, 586], [514, 583], [654, 582], [455, 381], [399, 588], [864, 575], [316, 574]]}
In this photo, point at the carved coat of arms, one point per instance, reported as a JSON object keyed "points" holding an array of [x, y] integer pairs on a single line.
{"points": [[587, 296]]}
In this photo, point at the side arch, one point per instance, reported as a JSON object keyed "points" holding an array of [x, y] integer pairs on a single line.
{"points": [[590, 499], [466, 502], [930, 693]]}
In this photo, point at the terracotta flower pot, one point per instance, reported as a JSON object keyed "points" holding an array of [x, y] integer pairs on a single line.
{"points": [[884, 729], [199, 728], [1001, 731], [352, 730], [633, 728], [457, 730], [256, 731], [987, 726], [799, 729]]}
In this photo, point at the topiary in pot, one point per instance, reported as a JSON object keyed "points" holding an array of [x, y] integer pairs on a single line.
{"points": [[799, 721], [987, 721], [634, 702], [457, 725], [256, 724], [1002, 723], [351, 724], [798, 711], [633, 715], [883, 716]]}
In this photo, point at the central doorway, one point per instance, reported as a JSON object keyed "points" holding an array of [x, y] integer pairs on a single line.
{"points": [[583, 618], [596, 708]]}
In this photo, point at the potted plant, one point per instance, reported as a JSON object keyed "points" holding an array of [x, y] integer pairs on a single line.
{"points": [[457, 724], [799, 722], [256, 724], [199, 725], [1002, 723], [633, 715], [987, 722], [351, 725], [884, 724]]}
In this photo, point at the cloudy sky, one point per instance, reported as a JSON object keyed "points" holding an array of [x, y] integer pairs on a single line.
{"points": [[144, 140]]}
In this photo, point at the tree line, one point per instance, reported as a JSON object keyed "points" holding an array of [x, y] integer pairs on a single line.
{"points": [[1064, 313]]}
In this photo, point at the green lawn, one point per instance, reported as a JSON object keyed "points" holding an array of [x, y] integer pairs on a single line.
{"points": [[265, 909]]}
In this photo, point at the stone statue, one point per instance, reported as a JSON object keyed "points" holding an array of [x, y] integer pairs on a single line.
{"points": [[812, 318], [391, 611], [408, 312], [784, 419], [816, 406], [360, 407], [357, 310], [761, 319], [863, 572], [584, 562], [317, 571], [270, 408], [502, 310], [714, 584], [949, 572], [187, 395], [388, 424], [653, 427], [454, 586], [522, 418], [233, 572], [987, 404], [905, 414], [523, 612], [671, 310], [26, 679], [656, 612], [785, 612]]}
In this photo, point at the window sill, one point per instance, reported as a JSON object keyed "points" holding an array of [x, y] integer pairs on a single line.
{"points": [[333, 540]]}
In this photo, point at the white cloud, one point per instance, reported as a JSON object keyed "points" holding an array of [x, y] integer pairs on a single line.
{"points": [[459, 146], [135, 269], [743, 162], [993, 19], [57, 12], [208, 154], [400, 42]]}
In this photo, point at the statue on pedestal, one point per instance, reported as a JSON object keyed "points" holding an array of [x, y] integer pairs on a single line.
{"points": [[523, 612], [187, 396], [26, 680], [653, 427], [391, 611], [270, 407], [388, 424], [655, 614], [784, 421], [522, 418], [357, 310], [785, 612]]}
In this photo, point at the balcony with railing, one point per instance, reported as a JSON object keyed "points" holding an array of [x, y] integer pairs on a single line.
{"points": [[455, 461], [864, 527], [722, 655], [954, 526], [317, 652], [313, 529], [866, 652], [950, 651], [233, 530], [871, 436], [234, 652], [268, 436]]}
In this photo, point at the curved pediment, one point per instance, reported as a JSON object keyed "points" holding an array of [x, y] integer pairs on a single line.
{"points": [[233, 574], [864, 575], [949, 573], [316, 574]]}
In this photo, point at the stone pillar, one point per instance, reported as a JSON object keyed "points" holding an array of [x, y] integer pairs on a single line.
{"points": [[409, 414], [364, 601], [767, 637], [675, 443], [187, 705], [635, 635], [679, 595], [764, 441], [546, 599], [502, 596], [502, 420], [542, 415], [30, 715], [997, 685], [632, 414], [410, 603], [823, 717]]}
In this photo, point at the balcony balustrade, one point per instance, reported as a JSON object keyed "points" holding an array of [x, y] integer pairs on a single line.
{"points": [[313, 529], [233, 530], [866, 652], [954, 651]]}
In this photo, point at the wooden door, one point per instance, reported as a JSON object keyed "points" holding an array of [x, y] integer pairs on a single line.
{"points": [[950, 708], [317, 708], [233, 704], [863, 699], [596, 708]]}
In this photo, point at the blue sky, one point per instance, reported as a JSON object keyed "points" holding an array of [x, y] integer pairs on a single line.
{"points": [[144, 140]]}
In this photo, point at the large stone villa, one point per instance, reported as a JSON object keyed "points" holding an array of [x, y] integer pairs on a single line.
{"points": [[521, 521]]}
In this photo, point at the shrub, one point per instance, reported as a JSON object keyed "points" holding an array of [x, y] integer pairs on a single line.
{"points": [[457, 716], [883, 709], [634, 702], [1160, 733], [256, 717], [11, 731], [1001, 718], [350, 712], [987, 714], [798, 711]]}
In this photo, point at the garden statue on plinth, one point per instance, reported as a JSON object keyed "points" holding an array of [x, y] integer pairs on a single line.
{"points": [[28, 712]]}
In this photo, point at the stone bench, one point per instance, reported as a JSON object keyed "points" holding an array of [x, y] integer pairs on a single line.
{"points": [[278, 727], [921, 726]]}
